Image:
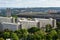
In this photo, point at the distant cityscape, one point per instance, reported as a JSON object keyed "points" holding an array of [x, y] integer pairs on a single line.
{"points": [[22, 10]]}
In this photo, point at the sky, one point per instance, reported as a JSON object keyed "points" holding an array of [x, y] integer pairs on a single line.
{"points": [[29, 3]]}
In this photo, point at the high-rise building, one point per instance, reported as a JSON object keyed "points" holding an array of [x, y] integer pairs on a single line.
{"points": [[8, 12]]}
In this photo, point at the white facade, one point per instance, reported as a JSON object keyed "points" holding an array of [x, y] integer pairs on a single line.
{"points": [[24, 23], [10, 26], [38, 22], [8, 23], [28, 24], [5, 19], [44, 22]]}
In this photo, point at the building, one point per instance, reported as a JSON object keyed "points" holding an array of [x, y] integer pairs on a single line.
{"points": [[7, 19], [41, 23], [8, 23], [8, 12], [24, 23], [50, 14], [10, 26], [27, 23]]}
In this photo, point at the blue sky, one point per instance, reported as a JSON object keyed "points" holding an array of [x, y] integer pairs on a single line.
{"points": [[29, 3]]}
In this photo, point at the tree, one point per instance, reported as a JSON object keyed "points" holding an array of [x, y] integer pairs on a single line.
{"points": [[33, 29], [40, 35], [52, 35], [1, 39], [22, 33], [58, 25], [48, 28], [14, 36], [6, 35], [31, 37], [7, 30], [15, 16], [58, 34], [1, 34]]}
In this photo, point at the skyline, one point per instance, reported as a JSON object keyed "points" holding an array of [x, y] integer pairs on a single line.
{"points": [[29, 3]]}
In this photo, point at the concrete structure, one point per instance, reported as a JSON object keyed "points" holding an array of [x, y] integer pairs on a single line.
{"points": [[28, 24], [24, 23], [47, 15], [7, 19], [8, 23], [8, 12], [44, 22], [10, 26], [41, 23]]}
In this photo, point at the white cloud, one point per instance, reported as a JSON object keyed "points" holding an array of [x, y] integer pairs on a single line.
{"points": [[29, 3]]}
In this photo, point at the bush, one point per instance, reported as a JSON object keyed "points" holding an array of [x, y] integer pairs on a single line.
{"points": [[1, 39]]}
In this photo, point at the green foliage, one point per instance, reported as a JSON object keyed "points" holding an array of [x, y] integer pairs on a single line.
{"points": [[36, 34], [40, 35], [53, 34], [15, 16], [7, 30], [14, 36], [6, 35], [33, 30], [48, 28], [31, 37], [22, 33], [1, 34], [58, 25], [58, 34], [1, 38]]}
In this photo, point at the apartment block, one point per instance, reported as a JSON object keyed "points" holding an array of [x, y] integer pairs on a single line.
{"points": [[10, 26], [38, 22], [25, 23]]}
